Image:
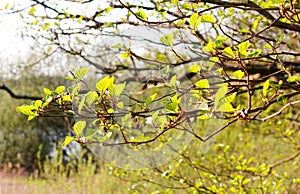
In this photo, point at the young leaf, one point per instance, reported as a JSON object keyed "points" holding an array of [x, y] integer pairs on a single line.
{"points": [[150, 99], [194, 21], [167, 40], [60, 89], [67, 98], [220, 94], [47, 91], [194, 68], [90, 97], [90, 133], [266, 87], [117, 89], [228, 51], [202, 83], [125, 55], [26, 110], [38, 103], [32, 10], [155, 115], [209, 47], [173, 81], [80, 73], [104, 83], [207, 18], [238, 74], [81, 104], [293, 78], [78, 127], [142, 15], [68, 140], [228, 99], [30, 117]]}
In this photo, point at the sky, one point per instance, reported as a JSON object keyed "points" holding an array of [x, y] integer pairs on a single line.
{"points": [[14, 49]]}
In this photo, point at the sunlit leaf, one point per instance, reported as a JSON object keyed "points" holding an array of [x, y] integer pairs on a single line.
{"points": [[195, 21], [207, 18], [68, 140], [60, 89], [266, 87], [150, 99], [141, 14], [78, 127], [47, 91], [194, 68], [90, 97], [104, 83], [125, 55], [32, 10], [220, 94], [203, 83], [293, 78], [26, 110], [229, 51], [239, 74], [167, 40], [80, 73]]}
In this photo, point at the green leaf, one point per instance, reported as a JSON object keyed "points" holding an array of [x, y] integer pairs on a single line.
{"points": [[165, 70], [150, 99], [228, 51], [60, 89], [141, 14], [104, 83], [242, 47], [227, 107], [172, 106], [202, 83], [31, 117], [194, 68], [125, 55], [90, 133], [155, 115], [78, 127], [209, 47], [67, 98], [68, 140], [194, 21], [32, 10], [228, 99], [173, 81], [47, 91], [117, 89], [90, 97], [38, 104], [207, 18], [255, 24], [167, 40], [69, 78], [80, 73], [204, 117], [293, 78], [220, 94], [266, 87], [239, 74], [26, 110], [120, 105], [81, 104], [47, 101]]}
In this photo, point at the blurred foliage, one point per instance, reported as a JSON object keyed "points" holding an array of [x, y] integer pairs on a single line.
{"points": [[23, 138]]}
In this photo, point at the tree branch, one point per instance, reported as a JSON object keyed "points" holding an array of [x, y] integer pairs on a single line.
{"points": [[13, 95]]}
